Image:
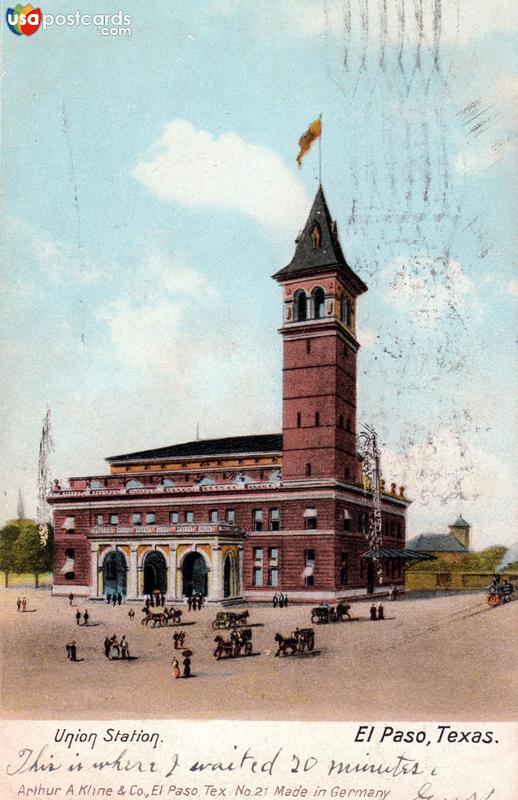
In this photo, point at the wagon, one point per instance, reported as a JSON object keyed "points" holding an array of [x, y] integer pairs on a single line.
{"points": [[229, 619], [321, 615], [242, 640], [305, 639]]}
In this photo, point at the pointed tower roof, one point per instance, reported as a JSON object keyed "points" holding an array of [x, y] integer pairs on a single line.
{"points": [[460, 523], [327, 255]]}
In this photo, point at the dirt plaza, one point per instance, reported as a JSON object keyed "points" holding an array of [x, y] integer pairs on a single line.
{"points": [[431, 658]]}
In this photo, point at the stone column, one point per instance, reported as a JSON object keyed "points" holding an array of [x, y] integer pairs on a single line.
{"points": [[172, 573], [240, 582], [132, 577], [94, 570], [215, 593]]}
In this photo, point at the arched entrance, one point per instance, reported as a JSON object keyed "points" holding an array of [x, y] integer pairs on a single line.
{"points": [[114, 573], [229, 577], [371, 571], [155, 573], [194, 574]]}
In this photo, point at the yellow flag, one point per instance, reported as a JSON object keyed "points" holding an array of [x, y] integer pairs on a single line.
{"points": [[307, 139]]}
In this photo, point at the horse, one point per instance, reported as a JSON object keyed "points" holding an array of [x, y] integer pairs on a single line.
{"points": [[224, 648], [285, 644]]}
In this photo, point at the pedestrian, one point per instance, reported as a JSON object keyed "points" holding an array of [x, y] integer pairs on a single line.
{"points": [[175, 664], [281, 600], [108, 598], [175, 640], [68, 650], [72, 650], [114, 647], [78, 617], [285, 601], [114, 600], [71, 598], [274, 601], [373, 612], [86, 616], [189, 603], [147, 603], [124, 648], [119, 598], [107, 647], [181, 639], [18, 604], [162, 600], [381, 611], [187, 667], [131, 614], [24, 604]]}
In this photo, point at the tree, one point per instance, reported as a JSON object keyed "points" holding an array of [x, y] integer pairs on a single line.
{"points": [[8, 538], [34, 549]]}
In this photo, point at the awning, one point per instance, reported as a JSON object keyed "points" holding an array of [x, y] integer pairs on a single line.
{"points": [[69, 524], [401, 555], [310, 513], [68, 566]]}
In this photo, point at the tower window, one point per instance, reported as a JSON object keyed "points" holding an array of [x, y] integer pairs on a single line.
{"points": [[308, 470], [346, 310], [310, 519], [317, 419], [301, 306], [344, 568], [318, 303], [347, 520], [316, 236], [299, 419], [309, 568]]}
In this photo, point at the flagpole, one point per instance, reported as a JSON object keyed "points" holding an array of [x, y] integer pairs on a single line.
{"points": [[320, 153]]}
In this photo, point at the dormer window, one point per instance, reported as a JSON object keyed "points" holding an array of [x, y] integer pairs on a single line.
{"points": [[316, 236]]}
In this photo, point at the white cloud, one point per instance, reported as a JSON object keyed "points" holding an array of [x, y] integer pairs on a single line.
{"points": [[194, 168], [430, 289], [446, 475], [512, 288]]}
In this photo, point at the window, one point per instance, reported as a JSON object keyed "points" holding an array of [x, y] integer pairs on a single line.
{"points": [[346, 473], [310, 519], [273, 572], [347, 520], [309, 568], [308, 470], [230, 516], [70, 552], [308, 346], [363, 521], [137, 519], [318, 303], [345, 315], [150, 518], [174, 517], [275, 520], [213, 516], [114, 519], [69, 525], [257, 518], [344, 568], [96, 484], [189, 516], [299, 419], [134, 484], [258, 566], [317, 419], [341, 421], [99, 520], [301, 306], [167, 483]]}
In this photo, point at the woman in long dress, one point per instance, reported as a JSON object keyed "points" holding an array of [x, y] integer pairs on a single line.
{"points": [[176, 668]]}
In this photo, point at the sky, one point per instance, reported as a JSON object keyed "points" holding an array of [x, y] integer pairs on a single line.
{"points": [[151, 190]]}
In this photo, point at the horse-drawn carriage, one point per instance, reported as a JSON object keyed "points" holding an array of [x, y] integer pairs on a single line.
{"points": [[501, 593], [301, 639], [162, 617], [230, 619], [323, 614], [240, 640]]}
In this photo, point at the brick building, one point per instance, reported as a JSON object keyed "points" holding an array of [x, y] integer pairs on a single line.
{"points": [[250, 515]]}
